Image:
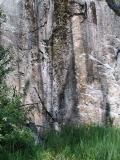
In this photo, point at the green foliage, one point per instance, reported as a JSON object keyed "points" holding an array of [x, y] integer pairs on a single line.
{"points": [[14, 135], [77, 143], [83, 143]]}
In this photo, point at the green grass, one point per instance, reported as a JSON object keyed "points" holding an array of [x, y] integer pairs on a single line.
{"points": [[76, 143]]}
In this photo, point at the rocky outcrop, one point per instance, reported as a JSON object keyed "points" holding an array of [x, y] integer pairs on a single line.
{"points": [[66, 58]]}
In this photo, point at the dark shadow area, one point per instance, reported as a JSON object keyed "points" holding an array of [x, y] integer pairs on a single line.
{"points": [[108, 119], [114, 5], [93, 9], [68, 98], [69, 94]]}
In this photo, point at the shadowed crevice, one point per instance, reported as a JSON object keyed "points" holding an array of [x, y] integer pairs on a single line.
{"points": [[114, 6], [93, 9]]}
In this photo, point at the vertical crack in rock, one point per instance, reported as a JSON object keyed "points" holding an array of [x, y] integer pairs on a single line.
{"points": [[93, 9]]}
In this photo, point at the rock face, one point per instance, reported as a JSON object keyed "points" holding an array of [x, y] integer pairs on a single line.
{"points": [[67, 58]]}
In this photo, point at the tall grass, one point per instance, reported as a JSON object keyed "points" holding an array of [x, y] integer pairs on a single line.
{"points": [[76, 143]]}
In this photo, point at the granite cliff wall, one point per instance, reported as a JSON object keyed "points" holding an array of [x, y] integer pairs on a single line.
{"points": [[69, 52]]}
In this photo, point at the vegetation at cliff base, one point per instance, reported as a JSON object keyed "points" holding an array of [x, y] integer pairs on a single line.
{"points": [[75, 143]]}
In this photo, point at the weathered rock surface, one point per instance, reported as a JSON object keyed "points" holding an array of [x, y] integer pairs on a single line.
{"points": [[69, 50]]}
